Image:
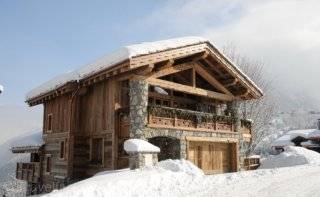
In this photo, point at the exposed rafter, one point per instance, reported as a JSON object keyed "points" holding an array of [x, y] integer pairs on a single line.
{"points": [[231, 82], [187, 89], [172, 70], [205, 74]]}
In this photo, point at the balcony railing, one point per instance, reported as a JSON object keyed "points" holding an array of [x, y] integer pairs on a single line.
{"points": [[175, 118], [29, 172]]}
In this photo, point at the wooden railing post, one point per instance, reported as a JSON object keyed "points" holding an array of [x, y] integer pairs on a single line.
{"points": [[175, 120]]}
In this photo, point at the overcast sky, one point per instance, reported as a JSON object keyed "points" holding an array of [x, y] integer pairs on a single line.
{"points": [[41, 38]]}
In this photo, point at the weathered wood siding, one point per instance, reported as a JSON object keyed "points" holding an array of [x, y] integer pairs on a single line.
{"points": [[96, 115], [60, 110]]}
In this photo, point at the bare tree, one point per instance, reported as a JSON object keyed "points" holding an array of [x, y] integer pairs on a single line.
{"points": [[260, 111]]}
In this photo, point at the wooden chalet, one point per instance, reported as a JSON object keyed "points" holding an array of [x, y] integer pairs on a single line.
{"points": [[180, 94]]}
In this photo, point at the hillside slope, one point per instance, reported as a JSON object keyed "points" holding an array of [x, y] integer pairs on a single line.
{"points": [[9, 185]]}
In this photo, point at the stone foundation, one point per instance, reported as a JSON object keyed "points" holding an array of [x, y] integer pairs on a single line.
{"points": [[182, 134]]}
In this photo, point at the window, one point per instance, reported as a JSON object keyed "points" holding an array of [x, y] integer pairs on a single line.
{"points": [[49, 127], [96, 151], [62, 149], [49, 163]]}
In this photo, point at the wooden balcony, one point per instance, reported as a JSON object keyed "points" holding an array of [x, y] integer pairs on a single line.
{"points": [[174, 118], [29, 172]]}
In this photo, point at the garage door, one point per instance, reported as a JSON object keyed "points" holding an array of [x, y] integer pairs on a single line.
{"points": [[213, 157]]}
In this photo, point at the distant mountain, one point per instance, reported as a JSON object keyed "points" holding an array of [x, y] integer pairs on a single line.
{"points": [[17, 120], [9, 185]]}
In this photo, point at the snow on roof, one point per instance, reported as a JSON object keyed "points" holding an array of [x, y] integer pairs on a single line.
{"points": [[286, 140], [31, 140], [138, 145], [310, 143], [314, 134], [121, 55], [53, 84], [292, 155], [255, 156], [113, 58]]}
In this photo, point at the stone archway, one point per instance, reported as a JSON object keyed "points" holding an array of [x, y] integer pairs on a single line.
{"points": [[169, 147]]}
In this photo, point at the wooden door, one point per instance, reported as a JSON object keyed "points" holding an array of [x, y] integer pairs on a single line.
{"points": [[123, 135], [212, 157]]}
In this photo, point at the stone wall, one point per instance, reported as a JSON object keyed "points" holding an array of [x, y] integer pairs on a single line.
{"points": [[138, 107], [139, 115], [182, 134]]}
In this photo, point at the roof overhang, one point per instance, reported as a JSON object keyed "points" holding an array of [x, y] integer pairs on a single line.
{"points": [[26, 149], [237, 77]]}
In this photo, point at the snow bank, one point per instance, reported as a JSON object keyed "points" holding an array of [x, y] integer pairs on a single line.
{"points": [[180, 166], [137, 145], [161, 180], [291, 156], [281, 182]]}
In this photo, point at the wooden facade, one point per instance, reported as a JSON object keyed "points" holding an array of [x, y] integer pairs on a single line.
{"points": [[190, 91]]}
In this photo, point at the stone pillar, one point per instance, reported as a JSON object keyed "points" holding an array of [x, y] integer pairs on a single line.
{"points": [[141, 153], [183, 149], [234, 109], [142, 159], [138, 107]]}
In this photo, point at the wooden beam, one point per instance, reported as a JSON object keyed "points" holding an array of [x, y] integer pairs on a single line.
{"points": [[169, 63], [231, 83], [246, 93], [193, 77], [214, 67], [188, 89], [205, 74], [145, 69], [203, 56], [172, 70]]}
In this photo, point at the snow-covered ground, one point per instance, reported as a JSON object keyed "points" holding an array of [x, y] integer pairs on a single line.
{"points": [[182, 178]]}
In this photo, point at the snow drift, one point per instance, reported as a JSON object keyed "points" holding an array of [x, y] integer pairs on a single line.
{"points": [[173, 178], [149, 181], [291, 156]]}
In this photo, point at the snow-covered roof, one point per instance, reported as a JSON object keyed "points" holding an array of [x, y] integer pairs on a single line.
{"points": [[138, 145], [118, 56], [286, 140], [310, 143], [30, 143], [314, 134], [292, 155], [124, 54]]}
